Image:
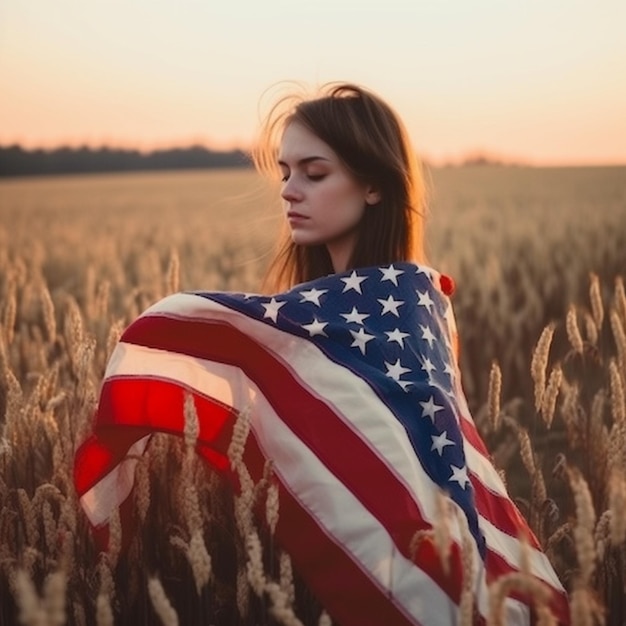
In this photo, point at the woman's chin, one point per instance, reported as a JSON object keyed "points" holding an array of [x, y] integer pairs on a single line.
{"points": [[302, 240]]}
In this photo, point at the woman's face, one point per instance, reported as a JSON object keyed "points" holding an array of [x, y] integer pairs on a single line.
{"points": [[324, 203]]}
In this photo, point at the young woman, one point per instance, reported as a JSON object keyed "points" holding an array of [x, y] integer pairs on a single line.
{"points": [[348, 378], [345, 158]]}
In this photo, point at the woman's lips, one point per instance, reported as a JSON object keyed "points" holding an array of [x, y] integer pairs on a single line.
{"points": [[294, 215]]}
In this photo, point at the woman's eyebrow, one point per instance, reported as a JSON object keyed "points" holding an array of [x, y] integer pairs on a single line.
{"points": [[305, 160]]}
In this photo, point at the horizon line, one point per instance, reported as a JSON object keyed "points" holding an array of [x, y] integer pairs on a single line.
{"points": [[471, 156]]}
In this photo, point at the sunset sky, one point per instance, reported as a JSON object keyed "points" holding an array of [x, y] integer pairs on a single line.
{"points": [[538, 81]]}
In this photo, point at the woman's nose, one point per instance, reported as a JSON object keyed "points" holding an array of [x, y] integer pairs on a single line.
{"points": [[290, 191]]}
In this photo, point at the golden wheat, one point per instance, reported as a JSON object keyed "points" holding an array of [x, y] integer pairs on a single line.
{"points": [[66, 294]]}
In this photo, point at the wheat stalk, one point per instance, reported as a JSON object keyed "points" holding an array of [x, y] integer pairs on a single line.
{"points": [[493, 397], [161, 604], [573, 332], [617, 506], [595, 297], [585, 523], [548, 403], [539, 363]]}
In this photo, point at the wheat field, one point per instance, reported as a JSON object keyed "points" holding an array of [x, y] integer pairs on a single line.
{"points": [[538, 256]]}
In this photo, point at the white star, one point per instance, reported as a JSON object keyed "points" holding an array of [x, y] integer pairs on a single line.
{"points": [[440, 442], [448, 369], [428, 335], [360, 339], [271, 309], [312, 295], [390, 305], [422, 270], [404, 383], [428, 366], [424, 300], [430, 408], [396, 335], [396, 370], [355, 316], [316, 327], [353, 282], [459, 475], [391, 273]]}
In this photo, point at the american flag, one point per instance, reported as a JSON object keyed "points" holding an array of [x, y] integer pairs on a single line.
{"points": [[353, 389]]}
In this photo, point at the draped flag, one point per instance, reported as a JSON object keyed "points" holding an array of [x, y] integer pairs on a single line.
{"points": [[353, 390]]}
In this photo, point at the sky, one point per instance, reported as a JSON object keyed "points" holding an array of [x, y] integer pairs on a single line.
{"points": [[542, 82]]}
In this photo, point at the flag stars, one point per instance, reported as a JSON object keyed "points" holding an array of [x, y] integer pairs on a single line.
{"points": [[429, 409], [390, 305], [312, 295], [360, 339], [391, 273], [427, 335], [271, 309], [459, 475], [354, 316], [353, 282], [396, 370], [396, 335], [440, 442], [315, 328], [428, 366], [424, 299]]}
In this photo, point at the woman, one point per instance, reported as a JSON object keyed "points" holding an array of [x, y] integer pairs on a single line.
{"points": [[348, 377], [367, 169]]}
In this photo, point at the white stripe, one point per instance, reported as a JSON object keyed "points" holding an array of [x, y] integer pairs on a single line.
{"points": [[507, 547]]}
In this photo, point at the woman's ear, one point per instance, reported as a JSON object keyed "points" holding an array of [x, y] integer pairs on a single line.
{"points": [[372, 196]]}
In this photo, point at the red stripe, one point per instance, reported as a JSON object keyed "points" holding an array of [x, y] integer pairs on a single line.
{"points": [[131, 408], [501, 512], [498, 509], [471, 434], [102, 452], [361, 471], [559, 605]]}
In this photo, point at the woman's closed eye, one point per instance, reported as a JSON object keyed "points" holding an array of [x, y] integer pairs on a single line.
{"points": [[311, 177]]}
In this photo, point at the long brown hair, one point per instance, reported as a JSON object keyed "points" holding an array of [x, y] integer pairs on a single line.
{"points": [[370, 140]]}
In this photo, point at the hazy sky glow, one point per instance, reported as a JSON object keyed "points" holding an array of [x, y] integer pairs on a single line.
{"points": [[540, 81]]}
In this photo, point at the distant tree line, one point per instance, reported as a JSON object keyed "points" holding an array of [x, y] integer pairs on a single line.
{"points": [[16, 161]]}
